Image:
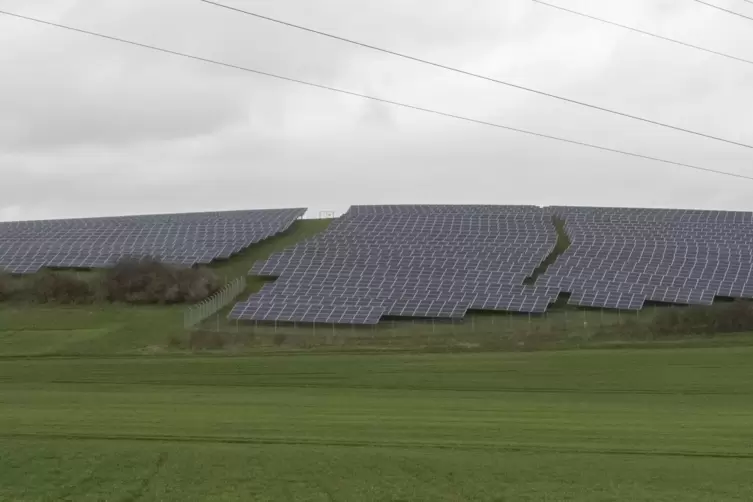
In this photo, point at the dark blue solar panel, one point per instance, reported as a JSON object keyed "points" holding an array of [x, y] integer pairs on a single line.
{"points": [[183, 239], [668, 256], [428, 261]]}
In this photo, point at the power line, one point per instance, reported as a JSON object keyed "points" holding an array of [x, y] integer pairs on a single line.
{"points": [[381, 100], [725, 10], [645, 32], [475, 75]]}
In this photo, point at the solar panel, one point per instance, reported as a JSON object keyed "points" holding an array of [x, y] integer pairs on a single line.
{"points": [[428, 308], [429, 261], [619, 258], [424, 260], [607, 299], [513, 303], [306, 313], [183, 239], [669, 256]]}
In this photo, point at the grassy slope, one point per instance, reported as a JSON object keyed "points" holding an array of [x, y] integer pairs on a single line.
{"points": [[241, 263], [563, 242], [658, 426], [27, 329], [117, 329]]}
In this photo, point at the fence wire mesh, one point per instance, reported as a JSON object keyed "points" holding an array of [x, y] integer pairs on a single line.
{"points": [[196, 314], [568, 326]]}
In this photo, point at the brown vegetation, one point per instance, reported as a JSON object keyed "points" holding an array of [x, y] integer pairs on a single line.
{"points": [[130, 281], [56, 287], [6, 287], [151, 282], [730, 317]]}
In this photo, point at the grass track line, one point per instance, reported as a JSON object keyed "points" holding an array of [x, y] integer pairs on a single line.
{"points": [[497, 390], [513, 448]]}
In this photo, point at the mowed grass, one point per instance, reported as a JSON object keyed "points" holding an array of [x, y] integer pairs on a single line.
{"points": [[85, 415], [91, 329], [665, 425]]}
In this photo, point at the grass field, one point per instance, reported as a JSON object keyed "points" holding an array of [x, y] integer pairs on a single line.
{"points": [[665, 425], [96, 404]]}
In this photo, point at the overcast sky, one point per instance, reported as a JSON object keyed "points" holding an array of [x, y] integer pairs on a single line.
{"points": [[90, 127]]}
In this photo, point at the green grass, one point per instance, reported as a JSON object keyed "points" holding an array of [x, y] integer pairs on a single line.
{"points": [[670, 425], [563, 242], [94, 406], [90, 329], [560, 328], [44, 342]]}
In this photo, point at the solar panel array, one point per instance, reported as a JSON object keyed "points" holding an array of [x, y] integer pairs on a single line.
{"points": [[186, 239], [621, 258], [424, 261]]}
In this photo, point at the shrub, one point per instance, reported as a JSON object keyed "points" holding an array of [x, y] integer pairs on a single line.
{"points": [[56, 287], [207, 340], [175, 342], [148, 281], [6, 287], [730, 317]]}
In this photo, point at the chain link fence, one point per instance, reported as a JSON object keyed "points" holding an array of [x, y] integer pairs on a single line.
{"points": [[567, 326], [196, 314]]}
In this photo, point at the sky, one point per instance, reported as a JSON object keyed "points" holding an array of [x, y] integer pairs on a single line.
{"points": [[90, 127]]}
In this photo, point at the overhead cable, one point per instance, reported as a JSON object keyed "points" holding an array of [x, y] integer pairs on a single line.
{"points": [[475, 75], [642, 32], [381, 100]]}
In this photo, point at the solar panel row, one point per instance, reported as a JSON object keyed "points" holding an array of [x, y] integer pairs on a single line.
{"points": [[651, 215], [413, 261], [620, 258], [184, 239], [475, 255], [425, 260]]}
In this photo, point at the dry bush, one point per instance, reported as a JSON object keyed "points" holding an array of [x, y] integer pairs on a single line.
{"points": [[629, 329], [147, 281], [56, 287], [175, 342], [208, 340]]}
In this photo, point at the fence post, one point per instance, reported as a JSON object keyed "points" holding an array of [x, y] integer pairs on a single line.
{"points": [[585, 323], [529, 324]]}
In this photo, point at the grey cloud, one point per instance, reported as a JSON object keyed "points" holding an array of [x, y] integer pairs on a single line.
{"points": [[96, 128], [73, 89]]}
